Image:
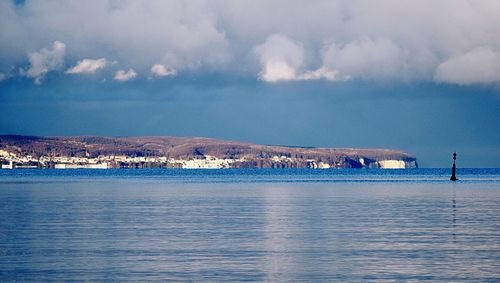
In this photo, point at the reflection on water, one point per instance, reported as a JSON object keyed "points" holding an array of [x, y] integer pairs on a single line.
{"points": [[454, 213], [111, 230]]}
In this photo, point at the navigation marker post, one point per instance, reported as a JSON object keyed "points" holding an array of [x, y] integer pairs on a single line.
{"points": [[454, 168]]}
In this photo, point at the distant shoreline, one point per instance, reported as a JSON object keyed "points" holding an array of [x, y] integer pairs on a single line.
{"points": [[91, 152]]}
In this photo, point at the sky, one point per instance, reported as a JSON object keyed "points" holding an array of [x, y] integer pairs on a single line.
{"points": [[416, 75]]}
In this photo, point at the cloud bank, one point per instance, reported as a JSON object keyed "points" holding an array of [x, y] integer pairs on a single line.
{"points": [[446, 41]]}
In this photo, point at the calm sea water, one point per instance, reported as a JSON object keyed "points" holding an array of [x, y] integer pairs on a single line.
{"points": [[249, 225]]}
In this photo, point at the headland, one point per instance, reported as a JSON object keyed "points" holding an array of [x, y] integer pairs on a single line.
{"points": [[95, 152]]}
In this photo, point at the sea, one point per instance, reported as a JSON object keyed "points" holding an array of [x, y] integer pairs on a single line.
{"points": [[274, 225]]}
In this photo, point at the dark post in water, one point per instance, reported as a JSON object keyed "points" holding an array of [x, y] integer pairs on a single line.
{"points": [[454, 168]]}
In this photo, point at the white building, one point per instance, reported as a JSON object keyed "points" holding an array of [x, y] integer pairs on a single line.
{"points": [[8, 166]]}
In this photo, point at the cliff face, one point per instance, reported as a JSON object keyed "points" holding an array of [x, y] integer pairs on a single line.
{"points": [[198, 153]]}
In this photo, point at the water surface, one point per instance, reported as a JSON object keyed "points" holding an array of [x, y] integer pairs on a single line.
{"points": [[257, 225]]}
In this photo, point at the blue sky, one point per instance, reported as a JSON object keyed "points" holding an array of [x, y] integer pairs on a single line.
{"points": [[422, 76]]}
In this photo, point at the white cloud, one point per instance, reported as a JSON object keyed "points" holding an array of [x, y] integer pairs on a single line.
{"points": [[123, 76], [480, 65], [3, 77], [323, 73], [88, 66], [44, 61], [280, 58], [366, 58], [274, 71], [159, 70]]}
